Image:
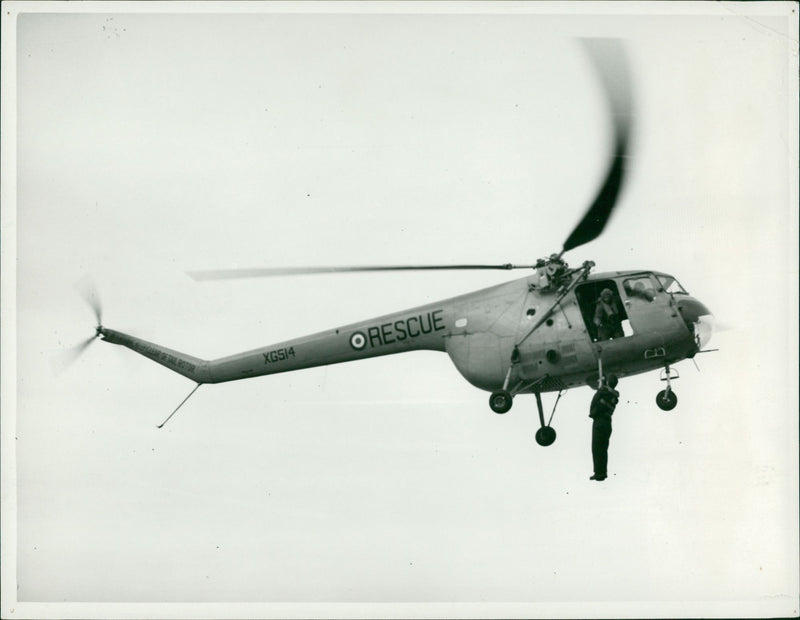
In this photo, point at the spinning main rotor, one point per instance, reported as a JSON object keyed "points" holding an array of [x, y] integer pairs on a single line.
{"points": [[610, 62]]}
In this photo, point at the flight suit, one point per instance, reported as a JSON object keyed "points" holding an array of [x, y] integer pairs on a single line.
{"points": [[601, 409], [607, 320]]}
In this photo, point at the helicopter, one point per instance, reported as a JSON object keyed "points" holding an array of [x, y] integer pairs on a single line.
{"points": [[532, 335]]}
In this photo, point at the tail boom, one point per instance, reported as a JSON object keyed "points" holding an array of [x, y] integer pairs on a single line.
{"points": [[186, 365], [418, 329]]}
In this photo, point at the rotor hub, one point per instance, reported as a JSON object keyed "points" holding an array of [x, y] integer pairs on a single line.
{"points": [[551, 272]]}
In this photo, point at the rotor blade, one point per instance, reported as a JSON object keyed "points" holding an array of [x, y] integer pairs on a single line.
{"points": [[68, 357], [232, 274], [611, 65], [89, 293]]}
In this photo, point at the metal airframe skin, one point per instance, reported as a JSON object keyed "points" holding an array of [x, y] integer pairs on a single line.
{"points": [[479, 331]]}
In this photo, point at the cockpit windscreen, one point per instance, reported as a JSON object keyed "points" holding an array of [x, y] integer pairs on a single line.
{"points": [[671, 285]]}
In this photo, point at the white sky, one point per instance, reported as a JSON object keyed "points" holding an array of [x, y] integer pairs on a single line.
{"points": [[151, 144]]}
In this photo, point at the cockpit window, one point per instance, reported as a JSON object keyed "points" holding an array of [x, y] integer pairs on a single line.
{"points": [[671, 285], [639, 288]]}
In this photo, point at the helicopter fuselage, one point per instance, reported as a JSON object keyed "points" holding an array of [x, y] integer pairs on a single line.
{"points": [[556, 329], [557, 344]]}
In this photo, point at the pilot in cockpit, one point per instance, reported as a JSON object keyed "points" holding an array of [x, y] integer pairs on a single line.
{"points": [[639, 290]]}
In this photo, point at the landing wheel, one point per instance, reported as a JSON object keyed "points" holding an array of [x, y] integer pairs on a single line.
{"points": [[666, 400], [545, 436], [500, 402]]}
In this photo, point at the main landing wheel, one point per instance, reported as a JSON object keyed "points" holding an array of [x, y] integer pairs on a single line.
{"points": [[666, 400], [545, 436], [500, 401]]}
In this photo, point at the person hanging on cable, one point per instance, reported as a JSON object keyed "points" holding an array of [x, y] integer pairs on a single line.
{"points": [[601, 409]]}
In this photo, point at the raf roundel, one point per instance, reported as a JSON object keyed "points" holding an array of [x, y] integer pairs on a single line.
{"points": [[358, 341]]}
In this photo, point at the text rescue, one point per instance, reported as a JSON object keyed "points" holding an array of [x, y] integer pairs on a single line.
{"points": [[402, 329]]}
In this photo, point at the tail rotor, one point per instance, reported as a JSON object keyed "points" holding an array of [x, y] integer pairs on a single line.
{"points": [[88, 291], [89, 294]]}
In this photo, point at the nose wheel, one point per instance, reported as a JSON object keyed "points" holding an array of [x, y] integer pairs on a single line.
{"points": [[666, 399]]}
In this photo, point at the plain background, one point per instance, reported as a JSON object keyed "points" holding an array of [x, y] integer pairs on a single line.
{"points": [[150, 144]]}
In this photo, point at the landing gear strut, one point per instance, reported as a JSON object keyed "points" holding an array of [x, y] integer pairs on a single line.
{"points": [[666, 399], [501, 401], [546, 434]]}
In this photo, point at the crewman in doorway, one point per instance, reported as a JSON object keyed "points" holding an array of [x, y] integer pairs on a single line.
{"points": [[602, 408], [607, 316]]}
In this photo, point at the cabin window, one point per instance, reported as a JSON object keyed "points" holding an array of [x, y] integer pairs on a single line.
{"points": [[639, 288]]}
